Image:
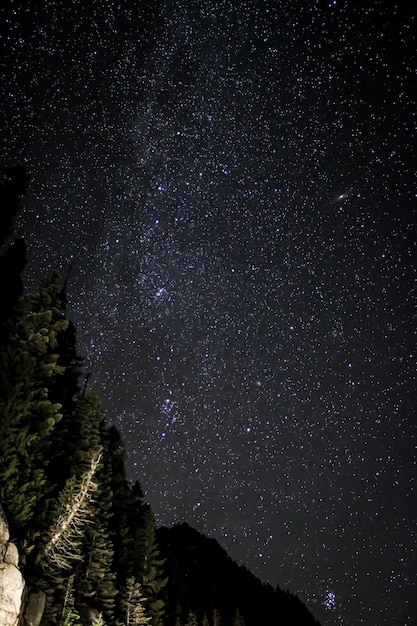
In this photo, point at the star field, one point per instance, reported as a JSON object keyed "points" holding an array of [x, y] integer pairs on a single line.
{"points": [[234, 185]]}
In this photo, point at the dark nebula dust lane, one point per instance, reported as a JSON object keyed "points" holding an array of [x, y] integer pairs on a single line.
{"points": [[234, 186]]}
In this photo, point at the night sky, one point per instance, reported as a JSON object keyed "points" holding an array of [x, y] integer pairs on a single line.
{"points": [[234, 184]]}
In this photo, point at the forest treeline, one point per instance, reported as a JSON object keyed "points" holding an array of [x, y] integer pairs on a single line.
{"points": [[87, 539]]}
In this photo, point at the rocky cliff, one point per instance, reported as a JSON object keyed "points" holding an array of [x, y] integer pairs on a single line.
{"points": [[12, 584]]}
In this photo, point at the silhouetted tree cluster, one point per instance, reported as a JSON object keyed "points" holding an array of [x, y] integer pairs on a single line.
{"points": [[85, 535], [206, 584]]}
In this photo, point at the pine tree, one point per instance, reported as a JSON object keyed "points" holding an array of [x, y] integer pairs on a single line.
{"points": [[70, 615], [63, 543], [216, 618], [96, 578], [178, 613], [66, 438], [28, 367], [150, 566], [71, 513], [191, 619], [127, 506], [238, 619], [62, 547], [133, 604], [205, 621]]}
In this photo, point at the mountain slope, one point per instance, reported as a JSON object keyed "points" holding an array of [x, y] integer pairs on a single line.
{"points": [[204, 580]]}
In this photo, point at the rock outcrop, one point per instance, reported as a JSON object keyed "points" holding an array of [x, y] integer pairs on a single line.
{"points": [[34, 608], [12, 583]]}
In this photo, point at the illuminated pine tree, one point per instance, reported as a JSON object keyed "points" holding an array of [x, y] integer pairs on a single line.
{"points": [[28, 368], [150, 566], [191, 619], [216, 618], [70, 615], [133, 604], [69, 515], [63, 542], [95, 577]]}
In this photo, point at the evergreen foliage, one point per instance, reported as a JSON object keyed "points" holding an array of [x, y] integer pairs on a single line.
{"points": [[238, 619], [205, 620], [66, 438], [150, 566], [127, 505], [99, 621], [191, 619], [216, 618], [95, 578], [28, 367], [72, 512], [133, 604], [70, 616]]}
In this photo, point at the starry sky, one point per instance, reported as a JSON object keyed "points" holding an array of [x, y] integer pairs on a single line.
{"points": [[234, 185]]}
